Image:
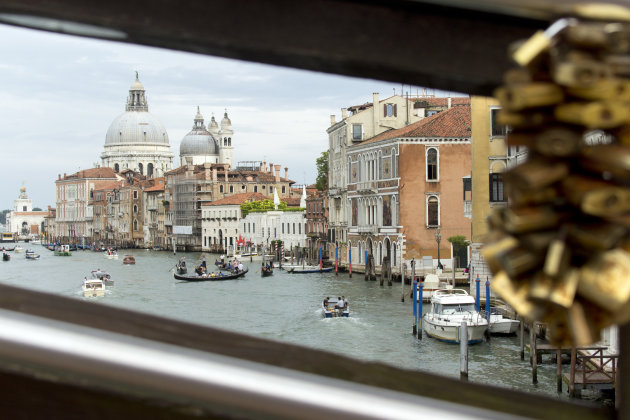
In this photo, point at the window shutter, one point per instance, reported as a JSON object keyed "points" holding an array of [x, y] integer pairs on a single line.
{"points": [[384, 110], [395, 112]]}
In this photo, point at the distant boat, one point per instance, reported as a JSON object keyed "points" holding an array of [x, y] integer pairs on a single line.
{"points": [[63, 250], [181, 267], [330, 309], [111, 254], [103, 276], [211, 276], [266, 270], [129, 259], [306, 269], [93, 287], [18, 249], [36, 242], [6, 257], [31, 255]]}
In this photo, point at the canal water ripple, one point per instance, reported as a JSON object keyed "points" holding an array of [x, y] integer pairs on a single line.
{"points": [[284, 307]]}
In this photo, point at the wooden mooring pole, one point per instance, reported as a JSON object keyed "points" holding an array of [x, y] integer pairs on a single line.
{"points": [[463, 351], [559, 370], [533, 354], [522, 339], [414, 296]]}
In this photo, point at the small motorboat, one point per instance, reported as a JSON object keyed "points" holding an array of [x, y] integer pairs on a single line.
{"points": [[93, 287], [305, 269], [503, 326], [31, 255], [449, 309], [332, 309], [129, 259], [103, 276], [36, 242], [18, 249], [62, 250], [211, 276], [110, 254], [432, 283]]}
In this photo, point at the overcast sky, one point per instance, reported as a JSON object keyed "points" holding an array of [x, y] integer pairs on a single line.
{"points": [[60, 93]]}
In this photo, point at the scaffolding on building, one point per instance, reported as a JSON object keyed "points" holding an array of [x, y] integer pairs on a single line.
{"points": [[186, 217], [248, 165]]}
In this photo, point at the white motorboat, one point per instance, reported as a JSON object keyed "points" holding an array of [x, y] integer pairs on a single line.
{"points": [[103, 276], [18, 249], [432, 283], [503, 326], [331, 310], [111, 254], [36, 242], [31, 255], [93, 287], [449, 308]]}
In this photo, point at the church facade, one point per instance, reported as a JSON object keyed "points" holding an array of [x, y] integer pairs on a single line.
{"points": [[22, 219]]}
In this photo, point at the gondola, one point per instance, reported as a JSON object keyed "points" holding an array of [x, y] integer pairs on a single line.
{"points": [[6, 257], [212, 276], [266, 270]]}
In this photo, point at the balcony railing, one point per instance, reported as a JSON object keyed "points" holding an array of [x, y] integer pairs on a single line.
{"points": [[367, 229], [368, 187]]}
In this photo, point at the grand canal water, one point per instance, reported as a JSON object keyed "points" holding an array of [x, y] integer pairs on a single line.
{"points": [[283, 307]]}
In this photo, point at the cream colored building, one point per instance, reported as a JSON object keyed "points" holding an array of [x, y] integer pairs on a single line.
{"points": [[489, 161]]}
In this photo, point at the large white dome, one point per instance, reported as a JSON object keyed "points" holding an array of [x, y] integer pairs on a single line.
{"points": [[136, 127]]}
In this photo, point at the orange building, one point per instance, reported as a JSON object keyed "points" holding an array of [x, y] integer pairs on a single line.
{"points": [[408, 184]]}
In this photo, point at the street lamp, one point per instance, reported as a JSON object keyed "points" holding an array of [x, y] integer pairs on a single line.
{"points": [[438, 238]]}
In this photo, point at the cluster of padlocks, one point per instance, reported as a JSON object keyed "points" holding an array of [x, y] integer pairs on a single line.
{"points": [[560, 252]]}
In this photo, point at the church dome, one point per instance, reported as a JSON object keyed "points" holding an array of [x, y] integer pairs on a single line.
{"points": [[133, 127], [199, 141], [136, 125]]}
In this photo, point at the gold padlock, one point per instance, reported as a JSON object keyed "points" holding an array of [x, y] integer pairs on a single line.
{"points": [[611, 159], [530, 219], [531, 95], [557, 258], [522, 120], [520, 197], [595, 197], [516, 296], [601, 114], [605, 89], [517, 262], [492, 251], [534, 174], [598, 236], [583, 330], [605, 279]]}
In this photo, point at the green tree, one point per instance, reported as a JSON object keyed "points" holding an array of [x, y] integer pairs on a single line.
{"points": [[459, 243], [3, 216], [37, 209], [322, 172], [263, 205]]}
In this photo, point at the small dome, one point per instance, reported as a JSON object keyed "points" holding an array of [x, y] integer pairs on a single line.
{"points": [[199, 142], [22, 189], [225, 122], [136, 85], [136, 127]]}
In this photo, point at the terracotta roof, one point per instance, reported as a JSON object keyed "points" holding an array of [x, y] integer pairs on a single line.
{"points": [[93, 173], [238, 199], [433, 101], [108, 185], [159, 185], [453, 122], [291, 201]]}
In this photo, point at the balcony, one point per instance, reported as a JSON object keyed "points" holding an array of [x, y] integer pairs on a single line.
{"points": [[367, 187], [336, 191], [373, 229]]}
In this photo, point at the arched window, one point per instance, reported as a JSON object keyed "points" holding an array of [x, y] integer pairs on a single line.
{"points": [[432, 165], [150, 169], [135, 208], [229, 141], [433, 211], [221, 188], [140, 168], [135, 224], [116, 168]]}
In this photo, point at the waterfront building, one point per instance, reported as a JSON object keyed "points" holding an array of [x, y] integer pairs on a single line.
{"points": [[154, 204], [189, 187], [359, 123], [102, 231], [317, 231], [73, 194], [490, 159], [263, 228], [136, 139], [22, 220], [202, 145], [405, 184], [221, 221]]}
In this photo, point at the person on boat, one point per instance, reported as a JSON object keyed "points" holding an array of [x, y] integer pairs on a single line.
{"points": [[203, 261], [239, 267], [326, 302], [340, 305], [222, 259]]}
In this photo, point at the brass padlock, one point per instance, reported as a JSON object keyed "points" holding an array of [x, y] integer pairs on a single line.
{"points": [[599, 236], [605, 280], [612, 160], [530, 219], [520, 197], [601, 114], [595, 197], [557, 258], [492, 251], [517, 262], [606, 89], [516, 295], [583, 330], [535, 174], [523, 120], [531, 95], [579, 72]]}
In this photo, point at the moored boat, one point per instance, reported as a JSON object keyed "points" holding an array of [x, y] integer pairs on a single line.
{"points": [[129, 259], [503, 326], [305, 269], [431, 284], [449, 308], [331, 308], [62, 250], [93, 287], [17, 249], [211, 276]]}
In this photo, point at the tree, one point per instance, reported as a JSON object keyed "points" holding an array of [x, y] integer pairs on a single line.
{"points": [[37, 209], [459, 243], [322, 172], [3, 216]]}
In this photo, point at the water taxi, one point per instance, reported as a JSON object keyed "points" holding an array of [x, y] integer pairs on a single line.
{"points": [[63, 250], [93, 287], [31, 255], [331, 310], [7, 237], [103, 276], [110, 254], [449, 308]]}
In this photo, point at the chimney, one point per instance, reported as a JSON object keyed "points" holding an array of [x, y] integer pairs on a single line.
{"points": [[344, 113], [214, 174], [225, 168], [286, 173], [260, 168], [277, 172], [270, 168], [265, 166], [376, 109], [59, 176], [450, 103], [206, 169], [332, 120]]}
